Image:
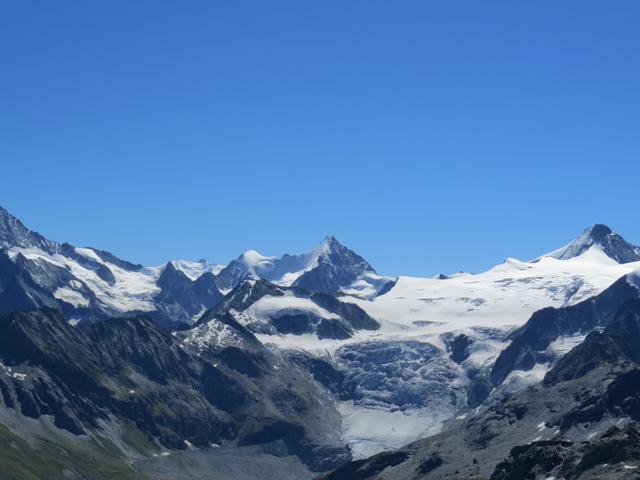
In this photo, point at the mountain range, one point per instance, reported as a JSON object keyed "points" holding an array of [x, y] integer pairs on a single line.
{"points": [[305, 364], [88, 284]]}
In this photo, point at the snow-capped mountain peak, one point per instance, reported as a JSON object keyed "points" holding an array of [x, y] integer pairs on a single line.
{"points": [[332, 267], [13, 233], [195, 269], [602, 237], [253, 258], [330, 241], [327, 268], [255, 264], [251, 264]]}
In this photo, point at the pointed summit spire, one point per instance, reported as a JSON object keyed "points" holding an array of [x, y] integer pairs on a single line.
{"points": [[602, 237], [597, 232], [328, 244], [330, 239], [13, 233]]}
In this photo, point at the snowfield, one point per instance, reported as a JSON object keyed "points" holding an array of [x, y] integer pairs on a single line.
{"points": [[132, 290], [269, 305], [502, 297], [484, 306]]}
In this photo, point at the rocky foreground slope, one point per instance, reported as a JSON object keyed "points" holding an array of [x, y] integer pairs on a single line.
{"points": [[132, 388]]}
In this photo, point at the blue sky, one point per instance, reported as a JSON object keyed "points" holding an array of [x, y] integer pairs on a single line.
{"points": [[428, 136]]}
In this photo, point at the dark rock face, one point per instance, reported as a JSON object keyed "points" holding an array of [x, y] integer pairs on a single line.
{"points": [[478, 390], [332, 328], [207, 291], [528, 462], [619, 342], [296, 324], [361, 469], [234, 274], [177, 293], [573, 461], [458, 347], [18, 291], [530, 342], [126, 367], [429, 464], [355, 316], [322, 371], [336, 269], [243, 362], [621, 397], [130, 370], [180, 298]]}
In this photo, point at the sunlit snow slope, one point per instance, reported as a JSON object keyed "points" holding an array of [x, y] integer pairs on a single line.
{"points": [[485, 307]]}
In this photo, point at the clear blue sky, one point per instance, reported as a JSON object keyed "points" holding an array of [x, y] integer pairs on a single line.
{"points": [[428, 136]]}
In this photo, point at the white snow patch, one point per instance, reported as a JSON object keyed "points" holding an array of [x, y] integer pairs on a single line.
{"points": [[562, 345], [133, 290], [519, 379], [8, 371], [212, 333], [195, 269], [367, 286], [368, 431], [70, 296]]}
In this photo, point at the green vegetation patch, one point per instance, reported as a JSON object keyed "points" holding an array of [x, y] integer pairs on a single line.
{"points": [[49, 460]]}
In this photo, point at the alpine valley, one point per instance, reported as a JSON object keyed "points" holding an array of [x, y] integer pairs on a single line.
{"points": [[315, 366]]}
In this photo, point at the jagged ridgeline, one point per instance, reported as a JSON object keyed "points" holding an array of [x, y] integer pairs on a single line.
{"points": [[314, 364], [88, 284]]}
